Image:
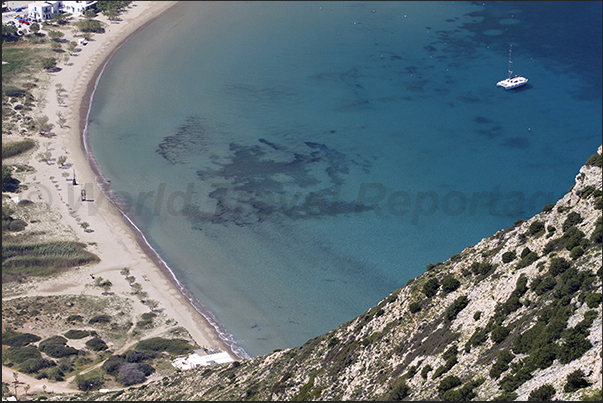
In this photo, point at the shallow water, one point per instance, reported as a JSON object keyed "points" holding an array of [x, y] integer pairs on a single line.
{"points": [[308, 158]]}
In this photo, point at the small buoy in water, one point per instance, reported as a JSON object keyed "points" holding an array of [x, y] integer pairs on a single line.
{"points": [[529, 129]]}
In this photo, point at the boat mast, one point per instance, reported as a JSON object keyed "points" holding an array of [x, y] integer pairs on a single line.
{"points": [[510, 62]]}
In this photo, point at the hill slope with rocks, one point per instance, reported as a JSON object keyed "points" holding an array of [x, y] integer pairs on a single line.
{"points": [[515, 317]]}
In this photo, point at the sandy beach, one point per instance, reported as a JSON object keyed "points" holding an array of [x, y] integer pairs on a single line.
{"points": [[115, 241]]}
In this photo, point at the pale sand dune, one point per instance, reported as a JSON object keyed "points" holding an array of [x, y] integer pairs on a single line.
{"points": [[116, 243]]}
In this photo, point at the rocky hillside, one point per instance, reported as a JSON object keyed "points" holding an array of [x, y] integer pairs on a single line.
{"points": [[515, 317]]}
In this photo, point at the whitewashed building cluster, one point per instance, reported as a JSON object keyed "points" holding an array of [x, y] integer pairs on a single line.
{"points": [[43, 10]]}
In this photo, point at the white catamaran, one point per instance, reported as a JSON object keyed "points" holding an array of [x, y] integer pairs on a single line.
{"points": [[512, 81]]}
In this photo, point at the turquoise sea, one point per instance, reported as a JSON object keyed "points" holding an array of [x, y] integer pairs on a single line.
{"points": [[293, 163]]}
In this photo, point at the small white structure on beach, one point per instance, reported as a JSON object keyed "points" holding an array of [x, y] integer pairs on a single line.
{"points": [[201, 358]]}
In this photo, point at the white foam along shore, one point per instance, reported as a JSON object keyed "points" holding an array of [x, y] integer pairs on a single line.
{"points": [[119, 243]]}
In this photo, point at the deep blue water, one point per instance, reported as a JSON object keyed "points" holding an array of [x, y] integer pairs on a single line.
{"points": [[308, 158]]}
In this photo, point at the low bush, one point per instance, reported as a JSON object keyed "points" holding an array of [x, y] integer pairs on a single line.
{"points": [[400, 392], [22, 354], [172, 346], [414, 307], [77, 334], [537, 227], [558, 266], [575, 381], [457, 306], [33, 365], [18, 339], [572, 219], [97, 344], [56, 347], [450, 284], [509, 256], [576, 252], [425, 371], [100, 319], [543, 393], [17, 147], [593, 300], [448, 383], [88, 383], [499, 334], [430, 288]]}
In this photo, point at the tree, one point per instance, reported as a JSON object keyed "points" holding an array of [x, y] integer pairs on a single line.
{"points": [[60, 19], [90, 26], [42, 124], [430, 288], [130, 374], [44, 156], [152, 304], [576, 381], [89, 14], [111, 14], [125, 271], [85, 226], [9, 184], [71, 46], [61, 121], [136, 287], [55, 35], [450, 284], [61, 160], [35, 28], [48, 63], [543, 393], [55, 46], [9, 33]]}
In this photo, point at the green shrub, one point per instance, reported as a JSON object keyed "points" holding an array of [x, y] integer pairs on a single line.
{"points": [[576, 252], [172, 346], [543, 393], [527, 259], [77, 334], [425, 371], [483, 268], [74, 318], [450, 284], [457, 306], [543, 284], [414, 307], [499, 334], [572, 219], [56, 347], [448, 383], [558, 266], [33, 365], [17, 339], [548, 208], [595, 160], [501, 364], [100, 319], [430, 288], [575, 381], [22, 354], [593, 300], [88, 383], [535, 228], [477, 315], [17, 147], [509, 256], [97, 344], [400, 392], [573, 347], [112, 364]]}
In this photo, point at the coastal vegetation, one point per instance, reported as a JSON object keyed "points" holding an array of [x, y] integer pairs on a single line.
{"points": [[457, 332]]}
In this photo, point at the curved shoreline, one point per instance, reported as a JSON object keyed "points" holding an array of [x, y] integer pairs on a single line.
{"points": [[84, 111]]}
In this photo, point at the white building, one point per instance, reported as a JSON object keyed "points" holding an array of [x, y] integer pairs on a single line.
{"points": [[201, 358], [77, 7], [43, 10]]}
